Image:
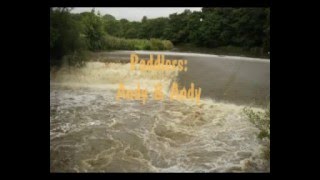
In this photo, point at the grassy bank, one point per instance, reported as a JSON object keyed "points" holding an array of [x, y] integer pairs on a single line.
{"points": [[116, 43], [225, 50], [79, 57]]}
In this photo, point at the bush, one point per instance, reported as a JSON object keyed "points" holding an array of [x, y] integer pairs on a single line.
{"points": [[147, 46], [261, 120], [167, 44], [115, 43], [64, 34], [156, 44]]}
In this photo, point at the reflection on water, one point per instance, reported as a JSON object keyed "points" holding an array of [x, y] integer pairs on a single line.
{"points": [[91, 132]]}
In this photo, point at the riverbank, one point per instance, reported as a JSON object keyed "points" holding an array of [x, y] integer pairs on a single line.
{"points": [[224, 50]]}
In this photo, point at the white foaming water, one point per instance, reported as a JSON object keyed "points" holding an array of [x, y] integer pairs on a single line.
{"points": [[91, 132], [142, 52]]}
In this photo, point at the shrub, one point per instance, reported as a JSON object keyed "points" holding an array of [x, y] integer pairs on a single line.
{"points": [[261, 120], [156, 44], [167, 45], [116, 43]]}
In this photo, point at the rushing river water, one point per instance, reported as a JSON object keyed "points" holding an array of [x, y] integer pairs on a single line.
{"points": [[92, 132]]}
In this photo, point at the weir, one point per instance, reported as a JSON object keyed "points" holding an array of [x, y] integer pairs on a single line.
{"points": [[232, 79], [90, 131]]}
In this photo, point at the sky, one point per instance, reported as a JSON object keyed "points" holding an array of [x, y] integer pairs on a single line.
{"points": [[136, 14]]}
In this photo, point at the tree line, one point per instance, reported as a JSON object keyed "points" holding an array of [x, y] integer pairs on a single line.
{"points": [[246, 28], [212, 27]]}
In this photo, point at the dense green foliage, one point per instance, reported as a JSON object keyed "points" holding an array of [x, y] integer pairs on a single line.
{"points": [[73, 34], [235, 28], [248, 28], [112, 42], [64, 34]]}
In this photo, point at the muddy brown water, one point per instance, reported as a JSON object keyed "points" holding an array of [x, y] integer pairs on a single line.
{"points": [[92, 132]]}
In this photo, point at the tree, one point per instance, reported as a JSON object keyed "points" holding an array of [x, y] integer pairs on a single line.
{"points": [[64, 33], [93, 30], [111, 25]]}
